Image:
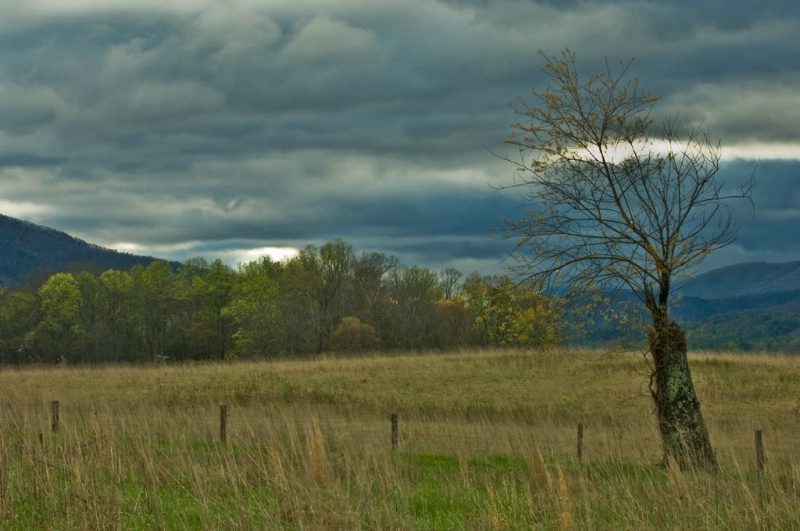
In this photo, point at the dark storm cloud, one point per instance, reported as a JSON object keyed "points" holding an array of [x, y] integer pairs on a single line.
{"points": [[208, 127], [774, 221]]}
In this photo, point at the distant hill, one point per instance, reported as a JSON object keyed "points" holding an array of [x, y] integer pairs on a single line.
{"points": [[738, 288], [27, 248], [745, 279], [697, 308], [748, 306]]}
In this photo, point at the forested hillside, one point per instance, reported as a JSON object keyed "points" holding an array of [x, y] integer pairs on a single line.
{"points": [[27, 248], [751, 306], [744, 307], [774, 329]]}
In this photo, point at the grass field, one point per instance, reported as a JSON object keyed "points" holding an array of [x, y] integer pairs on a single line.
{"points": [[487, 440]]}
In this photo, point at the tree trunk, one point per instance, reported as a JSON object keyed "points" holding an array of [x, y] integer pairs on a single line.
{"points": [[680, 421]]}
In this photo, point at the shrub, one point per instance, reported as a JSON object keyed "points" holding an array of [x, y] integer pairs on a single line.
{"points": [[351, 335]]}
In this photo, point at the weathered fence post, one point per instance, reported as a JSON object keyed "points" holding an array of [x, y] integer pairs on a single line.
{"points": [[580, 441], [395, 431], [54, 419], [760, 451], [223, 423]]}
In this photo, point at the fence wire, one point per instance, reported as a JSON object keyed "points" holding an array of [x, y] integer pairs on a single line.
{"points": [[270, 426]]}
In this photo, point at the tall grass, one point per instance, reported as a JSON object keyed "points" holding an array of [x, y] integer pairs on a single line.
{"points": [[487, 441]]}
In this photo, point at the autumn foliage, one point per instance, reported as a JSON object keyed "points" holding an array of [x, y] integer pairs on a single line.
{"points": [[326, 299]]}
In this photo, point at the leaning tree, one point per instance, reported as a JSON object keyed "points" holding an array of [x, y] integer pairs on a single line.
{"points": [[616, 201]]}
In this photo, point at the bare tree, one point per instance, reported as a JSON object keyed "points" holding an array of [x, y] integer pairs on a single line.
{"points": [[450, 280], [616, 202]]}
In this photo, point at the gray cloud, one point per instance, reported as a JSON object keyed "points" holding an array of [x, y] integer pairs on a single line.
{"points": [[203, 127]]}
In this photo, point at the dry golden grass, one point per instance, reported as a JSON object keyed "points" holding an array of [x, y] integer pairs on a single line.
{"points": [[487, 441]]}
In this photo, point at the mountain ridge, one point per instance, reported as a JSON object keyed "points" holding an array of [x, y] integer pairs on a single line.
{"points": [[27, 248], [743, 279]]}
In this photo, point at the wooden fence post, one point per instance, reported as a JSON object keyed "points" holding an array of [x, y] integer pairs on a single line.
{"points": [[760, 451], [223, 423], [395, 431], [580, 441], [54, 418]]}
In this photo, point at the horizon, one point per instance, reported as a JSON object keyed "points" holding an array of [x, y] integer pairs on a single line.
{"points": [[281, 255]]}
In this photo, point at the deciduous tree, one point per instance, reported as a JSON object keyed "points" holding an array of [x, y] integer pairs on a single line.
{"points": [[411, 313], [156, 289], [60, 324], [209, 333], [116, 331], [255, 312], [618, 201], [19, 313], [513, 314]]}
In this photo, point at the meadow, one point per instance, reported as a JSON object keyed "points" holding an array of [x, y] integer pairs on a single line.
{"points": [[487, 440]]}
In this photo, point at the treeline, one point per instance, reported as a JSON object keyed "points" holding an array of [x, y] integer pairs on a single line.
{"points": [[325, 299]]}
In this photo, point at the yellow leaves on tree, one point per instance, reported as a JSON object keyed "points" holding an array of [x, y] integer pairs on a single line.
{"points": [[509, 314]]}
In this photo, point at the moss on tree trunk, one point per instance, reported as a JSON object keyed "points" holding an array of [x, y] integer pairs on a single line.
{"points": [[680, 421]]}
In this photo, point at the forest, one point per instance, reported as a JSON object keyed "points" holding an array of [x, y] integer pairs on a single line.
{"points": [[328, 299]]}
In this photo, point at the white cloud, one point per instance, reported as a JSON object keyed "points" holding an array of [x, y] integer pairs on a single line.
{"points": [[761, 151], [231, 253], [243, 256], [23, 210]]}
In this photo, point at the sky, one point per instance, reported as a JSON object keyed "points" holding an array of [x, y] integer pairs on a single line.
{"points": [[236, 128]]}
